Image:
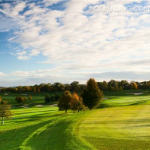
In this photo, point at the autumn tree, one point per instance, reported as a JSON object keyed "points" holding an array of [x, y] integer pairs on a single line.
{"points": [[76, 103], [20, 99], [4, 111], [64, 102], [0, 99], [30, 97], [91, 94], [134, 85]]}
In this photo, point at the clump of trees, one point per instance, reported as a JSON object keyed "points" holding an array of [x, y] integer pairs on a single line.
{"points": [[21, 99], [4, 111], [90, 97], [92, 94], [70, 101], [52, 98]]}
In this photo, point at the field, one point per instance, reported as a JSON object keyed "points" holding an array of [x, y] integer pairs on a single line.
{"points": [[122, 122]]}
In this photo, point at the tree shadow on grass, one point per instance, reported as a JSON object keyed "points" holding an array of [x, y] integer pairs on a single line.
{"points": [[12, 139]]}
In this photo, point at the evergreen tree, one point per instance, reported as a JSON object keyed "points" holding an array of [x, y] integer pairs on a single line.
{"points": [[91, 94]]}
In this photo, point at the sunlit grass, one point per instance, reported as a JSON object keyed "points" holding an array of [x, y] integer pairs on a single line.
{"points": [[123, 125]]}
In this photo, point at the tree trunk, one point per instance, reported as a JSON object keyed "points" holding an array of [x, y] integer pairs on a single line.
{"points": [[66, 111], [2, 121]]}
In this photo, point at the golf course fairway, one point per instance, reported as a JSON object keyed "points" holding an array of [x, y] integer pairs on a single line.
{"points": [[112, 128]]}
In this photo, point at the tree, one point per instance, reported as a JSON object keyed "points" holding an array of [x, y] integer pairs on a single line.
{"points": [[5, 111], [65, 100], [49, 99], [0, 99], [30, 97], [20, 99], [74, 86], [57, 97], [113, 85], [133, 85], [76, 103], [102, 85], [91, 94]]}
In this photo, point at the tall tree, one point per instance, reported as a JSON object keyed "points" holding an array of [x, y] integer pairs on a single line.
{"points": [[92, 94], [4, 111], [64, 102]]}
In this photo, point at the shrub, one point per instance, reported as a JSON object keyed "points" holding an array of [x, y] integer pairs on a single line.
{"points": [[20, 99], [30, 97]]}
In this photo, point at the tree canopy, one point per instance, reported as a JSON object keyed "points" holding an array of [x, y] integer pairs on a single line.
{"points": [[4, 111], [91, 94]]}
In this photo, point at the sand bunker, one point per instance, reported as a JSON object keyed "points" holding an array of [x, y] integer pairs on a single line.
{"points": [[39, 105], [24, 94], [24, 107], [5, 94], [135, 93]]}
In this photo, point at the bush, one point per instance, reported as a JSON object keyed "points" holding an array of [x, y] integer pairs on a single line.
{"points": [[49, 99], [52, 98], [20, 99], [57, 97]]}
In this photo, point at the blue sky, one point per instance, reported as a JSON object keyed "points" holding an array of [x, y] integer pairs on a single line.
{"points": [[63, 41]]}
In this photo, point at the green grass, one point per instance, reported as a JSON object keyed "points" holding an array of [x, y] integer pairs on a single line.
{"points": [[124, 124]]}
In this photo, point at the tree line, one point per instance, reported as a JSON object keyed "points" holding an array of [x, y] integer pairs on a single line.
{"points": [[75, 86]]}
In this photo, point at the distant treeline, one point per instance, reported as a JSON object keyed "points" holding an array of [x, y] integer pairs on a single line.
{"points": [[75, 86]]}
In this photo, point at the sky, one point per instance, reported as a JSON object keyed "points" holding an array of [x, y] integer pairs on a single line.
{"points": [[47, 41]]}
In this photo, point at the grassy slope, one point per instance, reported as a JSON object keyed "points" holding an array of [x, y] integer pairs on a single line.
{"points": [[125, 128], [41, 129]]}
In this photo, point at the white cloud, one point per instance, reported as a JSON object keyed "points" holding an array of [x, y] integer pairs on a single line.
{"points": [[76, 39], [2, 74]]}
